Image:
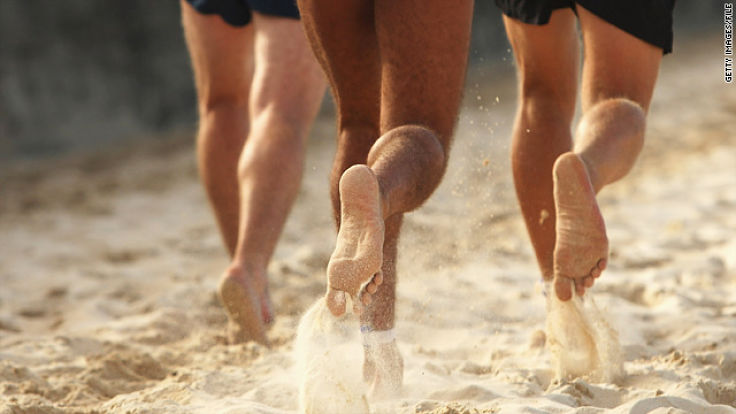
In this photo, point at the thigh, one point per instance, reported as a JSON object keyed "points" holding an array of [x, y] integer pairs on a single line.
{"points": [[342, 35], [547, 59], [287, 81], [424, 51], [222, 57], [617, 64]]}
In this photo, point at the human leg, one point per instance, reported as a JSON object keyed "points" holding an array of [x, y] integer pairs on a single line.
{"points": [[407, 162], [286, 92], [619, 74], [222, 60], [547, 62], [420, 79], [421, 85], [343, 38]]}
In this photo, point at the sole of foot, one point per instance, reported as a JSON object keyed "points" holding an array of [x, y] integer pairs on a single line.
{"points": [[581, 250], [358, 254]]}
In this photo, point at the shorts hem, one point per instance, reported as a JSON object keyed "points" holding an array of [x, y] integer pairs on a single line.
{"points": [[649, 23]]}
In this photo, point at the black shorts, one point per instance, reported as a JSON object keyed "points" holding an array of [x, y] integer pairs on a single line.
{"points": [[648, 20], [239, 12]]}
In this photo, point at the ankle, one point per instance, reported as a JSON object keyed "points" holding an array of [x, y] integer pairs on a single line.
{"points": [[245, 271], [373, 339]]}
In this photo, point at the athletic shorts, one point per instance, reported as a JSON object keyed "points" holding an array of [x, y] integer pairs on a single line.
{"points": [[648, 20], [239, 12]]}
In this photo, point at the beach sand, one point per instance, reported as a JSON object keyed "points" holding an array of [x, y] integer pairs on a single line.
{"points": [[109, 264]]}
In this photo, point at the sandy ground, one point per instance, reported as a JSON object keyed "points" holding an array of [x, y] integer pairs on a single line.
{"points": [[109, 262]]}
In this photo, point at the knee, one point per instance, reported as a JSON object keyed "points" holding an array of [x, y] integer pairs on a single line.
{"points": [[276, 125], [284, 121], [543, 123], [289, 103], [223, 120], [274, 137], [214, 103]]}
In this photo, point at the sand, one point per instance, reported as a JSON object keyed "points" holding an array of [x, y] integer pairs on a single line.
{"points": [[109, 265]]}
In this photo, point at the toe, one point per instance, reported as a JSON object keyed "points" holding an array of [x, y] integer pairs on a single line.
{"points": [[602, 264], [595, 272], [371, 288], [579, 287], [378, 278], [588, 281]]}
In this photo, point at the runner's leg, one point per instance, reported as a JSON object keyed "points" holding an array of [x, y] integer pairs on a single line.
{"points": [[547, 65], [286, 92], [222, 59], [619, 75]]}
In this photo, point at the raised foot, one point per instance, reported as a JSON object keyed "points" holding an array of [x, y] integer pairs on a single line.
{"points": [[247, 305], [358, 252], [383, 369], [581, 249]]}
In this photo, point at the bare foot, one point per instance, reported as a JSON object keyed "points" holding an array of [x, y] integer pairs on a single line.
{"points": [[581, 250], [358, 252], [248, 307], [383, 369]]}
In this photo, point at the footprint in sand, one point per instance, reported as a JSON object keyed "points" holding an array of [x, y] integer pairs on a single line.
{"points": [[718, 393]]}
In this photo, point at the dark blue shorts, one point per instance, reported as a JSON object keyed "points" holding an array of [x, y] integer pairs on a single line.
{"points": [[648, 20], [239, 12]]}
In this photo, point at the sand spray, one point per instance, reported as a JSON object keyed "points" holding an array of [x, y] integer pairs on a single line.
{"points": [[329, 358], [581, 341]]}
